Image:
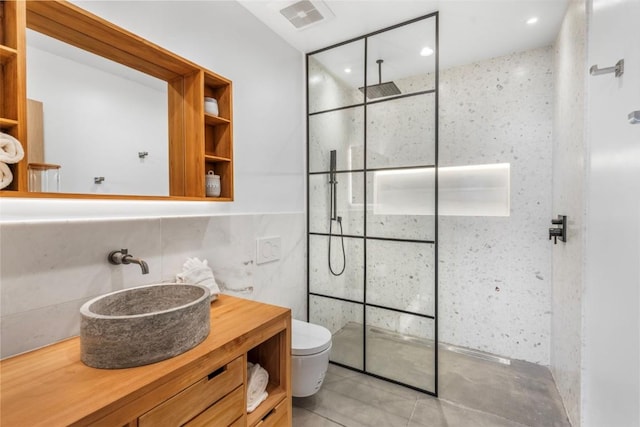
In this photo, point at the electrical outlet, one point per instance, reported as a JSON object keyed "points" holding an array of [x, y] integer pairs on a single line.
{"points": [[267, 249]]}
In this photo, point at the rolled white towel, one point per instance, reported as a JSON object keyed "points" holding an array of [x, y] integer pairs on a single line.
{"points": [[198, 272], [10, 149], [257, 380], [257, 402], [5, 175]]}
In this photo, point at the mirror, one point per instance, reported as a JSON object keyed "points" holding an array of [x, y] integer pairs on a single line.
{"points": [[95, 126], [169, 141]]}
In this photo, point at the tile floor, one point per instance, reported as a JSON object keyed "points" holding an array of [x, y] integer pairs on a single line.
{"points": [[474, 392]]}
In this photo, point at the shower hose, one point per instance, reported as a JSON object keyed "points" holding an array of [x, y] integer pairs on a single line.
{"points": [[338, 219]]}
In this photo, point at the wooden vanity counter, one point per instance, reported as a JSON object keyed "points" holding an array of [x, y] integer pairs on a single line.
{"points": [[52, 387]]}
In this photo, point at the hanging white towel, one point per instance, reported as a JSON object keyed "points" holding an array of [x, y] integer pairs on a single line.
{"points": [[10, 149], [198, 272], [257, 380], [5, 175]]}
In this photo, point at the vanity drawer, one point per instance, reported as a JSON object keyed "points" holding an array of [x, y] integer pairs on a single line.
{"points": [[193, 400], [277, 417], [223, 413]]}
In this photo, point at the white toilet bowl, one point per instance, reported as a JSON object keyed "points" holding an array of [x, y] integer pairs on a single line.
{"points": [[310, 347]]}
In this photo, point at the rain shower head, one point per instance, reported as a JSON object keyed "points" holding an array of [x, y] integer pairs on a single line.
{"points": [[381, 89]]}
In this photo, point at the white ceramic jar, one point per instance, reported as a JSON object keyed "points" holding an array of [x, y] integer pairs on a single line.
{"points": [[212, 184], [211, 106]]}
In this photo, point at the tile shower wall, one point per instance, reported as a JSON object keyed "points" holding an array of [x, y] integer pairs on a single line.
{"points": [[568, 199], [401, 122], [494, 272], [49, 269]]}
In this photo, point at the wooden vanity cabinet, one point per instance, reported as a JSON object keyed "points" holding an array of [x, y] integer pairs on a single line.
{"points": [[206, 386], [220, 394]]}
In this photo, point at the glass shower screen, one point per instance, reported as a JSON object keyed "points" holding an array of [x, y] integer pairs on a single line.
{"points": [[371, 206]]}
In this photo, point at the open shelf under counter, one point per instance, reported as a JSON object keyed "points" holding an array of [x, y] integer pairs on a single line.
{"points": [[276, 394]]}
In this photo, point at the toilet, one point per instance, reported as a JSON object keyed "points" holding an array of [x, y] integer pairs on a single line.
{"points": [[310, 348]]}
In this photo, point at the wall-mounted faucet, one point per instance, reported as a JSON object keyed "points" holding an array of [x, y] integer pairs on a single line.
{"points": [[123, 257], [559, 232]]}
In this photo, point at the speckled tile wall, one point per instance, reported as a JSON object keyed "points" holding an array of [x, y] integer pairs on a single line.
{"points": [[568, 199], [495, 272]]}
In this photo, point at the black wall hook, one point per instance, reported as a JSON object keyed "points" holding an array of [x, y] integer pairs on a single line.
{"points": [[559, 232]]}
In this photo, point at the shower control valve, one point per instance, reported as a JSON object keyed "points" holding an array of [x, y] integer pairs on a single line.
{"points": [[558, 232]]}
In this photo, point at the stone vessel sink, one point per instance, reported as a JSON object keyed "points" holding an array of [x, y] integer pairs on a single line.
{"points": [[143, 325]]}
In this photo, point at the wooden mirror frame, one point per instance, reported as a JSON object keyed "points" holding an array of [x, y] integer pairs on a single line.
{"points": [[197, 141]]}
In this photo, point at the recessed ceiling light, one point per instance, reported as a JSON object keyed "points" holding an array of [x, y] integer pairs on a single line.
{"points": [[426, 51], [532, 20], [347, 70]]}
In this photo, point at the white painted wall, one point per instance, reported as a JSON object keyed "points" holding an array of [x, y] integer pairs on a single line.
{"points": [[568, 199], [269, 125], [611, 328]]}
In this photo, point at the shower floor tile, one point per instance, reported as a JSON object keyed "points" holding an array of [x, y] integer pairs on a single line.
{"points": [[473, 392]]}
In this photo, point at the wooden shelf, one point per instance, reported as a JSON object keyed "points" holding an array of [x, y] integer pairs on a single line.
{"points": [[13, 84], [7, 123], [214, 159], [273, 355], [214, 80], [211, 120], [7, 53], [276, 394], [218, 133]]}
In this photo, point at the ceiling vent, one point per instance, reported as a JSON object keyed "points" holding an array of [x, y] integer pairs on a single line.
{"points": [[304, 13]]}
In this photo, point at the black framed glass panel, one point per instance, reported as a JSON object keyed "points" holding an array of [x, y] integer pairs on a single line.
{"points": [[334, 77], [372, 156]]}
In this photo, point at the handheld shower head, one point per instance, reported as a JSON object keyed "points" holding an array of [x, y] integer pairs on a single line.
{"points": [[332, 166], [333, 213], [333, 182]]}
